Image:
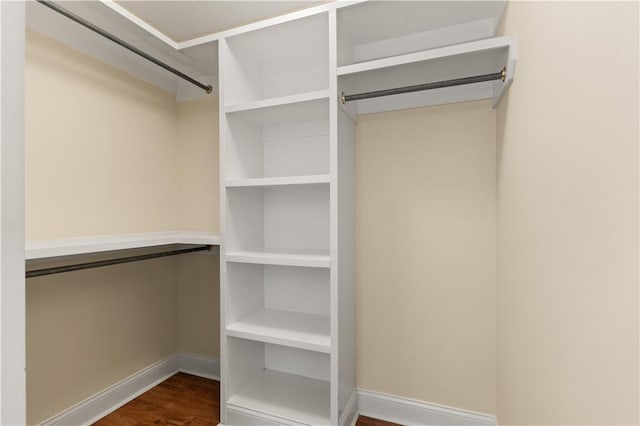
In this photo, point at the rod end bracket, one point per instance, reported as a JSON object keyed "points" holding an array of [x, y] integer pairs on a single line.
{"points": [[209, 89], [503, 73], [343, 98]]}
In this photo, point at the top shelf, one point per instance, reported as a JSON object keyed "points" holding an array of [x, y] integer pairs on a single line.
{"points": [[480, 46], [365, 31], [462, 60], [42, 249]]}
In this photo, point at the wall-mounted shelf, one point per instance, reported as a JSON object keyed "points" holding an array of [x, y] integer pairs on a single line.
{"points": [[444, 63], [42, 249], [366, 32]]}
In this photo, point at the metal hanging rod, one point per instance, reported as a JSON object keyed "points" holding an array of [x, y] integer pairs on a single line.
{"points": [[426, 86], [97, 264], [105, 34]]}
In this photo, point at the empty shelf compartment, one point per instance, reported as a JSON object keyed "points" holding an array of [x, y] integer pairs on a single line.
{"points": [[287, 396]]}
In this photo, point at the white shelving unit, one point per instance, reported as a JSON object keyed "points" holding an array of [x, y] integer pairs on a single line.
{"points": [[287, 192], [280, 358]]}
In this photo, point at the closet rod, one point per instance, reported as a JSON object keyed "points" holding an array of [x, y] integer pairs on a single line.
{"points": [[122, 43], [501, 75], [97, 264]]}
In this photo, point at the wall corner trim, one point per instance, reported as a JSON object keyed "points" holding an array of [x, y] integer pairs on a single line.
{"points": [[409, 411], [115, 396]]}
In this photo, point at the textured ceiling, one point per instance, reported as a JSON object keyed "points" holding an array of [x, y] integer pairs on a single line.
{"points": [[184, 20]]}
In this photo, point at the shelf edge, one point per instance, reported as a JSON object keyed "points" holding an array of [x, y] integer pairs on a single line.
{"points": [[320, 261], [277, 181], [279, 101], [41, 249], [426, 55]]}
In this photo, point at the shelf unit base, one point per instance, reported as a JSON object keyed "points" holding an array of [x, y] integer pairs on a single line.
{"points": [[281, 398]]}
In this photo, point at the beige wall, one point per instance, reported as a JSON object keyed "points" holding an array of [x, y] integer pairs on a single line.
{"points": [[87, 330], [568, 217], [425, 254], [109, 154], [103, 144], [198, 169], [199, 305]]}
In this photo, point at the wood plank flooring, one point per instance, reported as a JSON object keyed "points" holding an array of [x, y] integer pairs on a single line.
{"points": [[182, 400]]}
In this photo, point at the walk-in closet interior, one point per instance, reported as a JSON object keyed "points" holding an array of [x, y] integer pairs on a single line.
{"points": [[424, 212]]}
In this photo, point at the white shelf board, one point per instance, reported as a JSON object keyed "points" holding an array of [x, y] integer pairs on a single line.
{"points": [[40, 249], [312, 106], [455, 61], [292, 398], [274, 102], [288, 257], [417, 23], [428, 55], [277, 181], [287, 328]]}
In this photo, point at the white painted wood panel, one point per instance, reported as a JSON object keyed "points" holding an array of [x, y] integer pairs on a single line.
{"points": [[297, 217], [41, 249], [12, 292], [487, 45], [225, 347], [287, 328], [285, 140], [346, 299], [263, 104], [271, 63], [414, 26], [270, 256], [289, 217], [245, 362], [286, 396], [253, 287], [278, 181], [297, 289], [245, 291], [297, 361], [446, 63]]}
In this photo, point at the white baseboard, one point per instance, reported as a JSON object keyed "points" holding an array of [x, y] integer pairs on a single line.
{"points": [[115, 396], [350, 414], [199, 366], [391, 408], [408, 411]]}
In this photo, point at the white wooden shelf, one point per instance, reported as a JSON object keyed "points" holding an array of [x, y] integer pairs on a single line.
{"points": [[277, 181], [40, 249], [288, 397], [439, 64], [279, 101], [288, 257], [369, 33], [428, 55], [287, 328]]}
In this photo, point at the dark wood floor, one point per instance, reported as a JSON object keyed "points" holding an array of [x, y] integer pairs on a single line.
{"points": [[182, 400]]}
